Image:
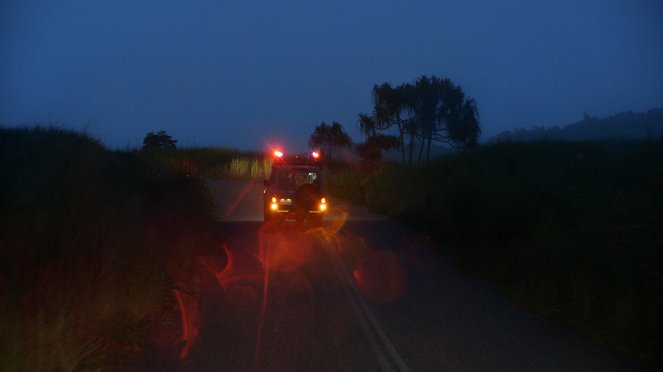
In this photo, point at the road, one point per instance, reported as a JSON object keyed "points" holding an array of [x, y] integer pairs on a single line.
{"points": [[363, 293]]}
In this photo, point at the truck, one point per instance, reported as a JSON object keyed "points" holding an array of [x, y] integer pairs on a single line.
{"points": [[293, 191]]}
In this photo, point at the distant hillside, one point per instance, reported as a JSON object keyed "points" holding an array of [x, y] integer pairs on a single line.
{"points": [[625, 125]]}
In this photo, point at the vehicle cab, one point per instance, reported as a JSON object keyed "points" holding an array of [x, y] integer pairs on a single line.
{"points": [[294, 189]]}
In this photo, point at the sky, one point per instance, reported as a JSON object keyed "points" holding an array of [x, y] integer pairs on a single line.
{"points": [[247, 74]]}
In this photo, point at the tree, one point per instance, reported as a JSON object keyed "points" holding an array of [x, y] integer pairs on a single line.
{"points": [[430, 109], [390, 109], [463, 127], [372, 148], [426, 105], [159, 140], [327, 137]]}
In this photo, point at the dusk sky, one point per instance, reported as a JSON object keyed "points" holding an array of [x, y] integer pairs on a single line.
{"points": [[242, 73]]}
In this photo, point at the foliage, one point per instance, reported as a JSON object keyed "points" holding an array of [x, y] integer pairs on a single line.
{"points": [[159, 140], [389, 110], [90, 240], [212, 163], [344, 181], [430, 109], [372, 148], [572, 230], [249, 168], [329, 137]]}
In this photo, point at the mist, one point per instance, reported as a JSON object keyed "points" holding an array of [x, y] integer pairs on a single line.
{"points": [[248, 74]]}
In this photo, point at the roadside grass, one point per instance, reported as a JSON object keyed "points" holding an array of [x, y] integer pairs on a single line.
{"points": [[212, 163], [93, 243], [345, 181], [570, 230]]}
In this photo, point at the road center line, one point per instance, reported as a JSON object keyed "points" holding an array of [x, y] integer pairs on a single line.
{"points": [[363, 313]]}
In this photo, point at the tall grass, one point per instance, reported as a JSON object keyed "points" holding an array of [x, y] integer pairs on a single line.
{"points": [[346, 181], [573, 230], [92, 245], [248, 168], [212, 163]]}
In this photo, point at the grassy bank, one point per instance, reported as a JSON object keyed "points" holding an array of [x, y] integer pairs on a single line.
{"points": [[571, 230], [93, 243], [213, 163]]}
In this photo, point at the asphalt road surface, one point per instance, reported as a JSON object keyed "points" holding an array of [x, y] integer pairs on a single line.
{"points": [[362, 293]]}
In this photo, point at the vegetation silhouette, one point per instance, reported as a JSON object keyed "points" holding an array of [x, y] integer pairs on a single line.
{"points": [[93, 244], [371, 149], [625, 125], [329, 137], [159, 140], [572, 230], [429, 110]]}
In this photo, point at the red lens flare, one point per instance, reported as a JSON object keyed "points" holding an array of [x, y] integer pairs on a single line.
{"points": [[230, 276], [190, 317], [282, 252], [233, 206], [285, 252], [381, 276]]}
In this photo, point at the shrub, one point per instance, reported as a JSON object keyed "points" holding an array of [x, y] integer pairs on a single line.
{"points": [[88, 237]]}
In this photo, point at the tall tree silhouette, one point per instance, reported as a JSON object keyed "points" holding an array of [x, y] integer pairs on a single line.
{"points": [[390, 109], [328, 137], [443, 114], [429, 110], [372, 148]]}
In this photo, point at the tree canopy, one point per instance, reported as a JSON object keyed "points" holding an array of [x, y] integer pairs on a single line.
{"points": [[159, 140], [327, 137], [428, 110], [372, 148]]}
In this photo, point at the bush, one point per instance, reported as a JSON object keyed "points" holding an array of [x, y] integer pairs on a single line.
{"points": [[574, 230], [88, 239], [159, 140]]}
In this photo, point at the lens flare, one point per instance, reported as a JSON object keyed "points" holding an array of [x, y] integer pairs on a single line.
{"points": [[190, 317], [230, 276], [381, 276], [284, 251], [233, 206]]}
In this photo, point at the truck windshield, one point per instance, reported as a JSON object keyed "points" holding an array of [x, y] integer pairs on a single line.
{"points": [[292, 179]]}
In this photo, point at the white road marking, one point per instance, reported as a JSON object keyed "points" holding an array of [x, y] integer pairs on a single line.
{"points": [[366, 318]]}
